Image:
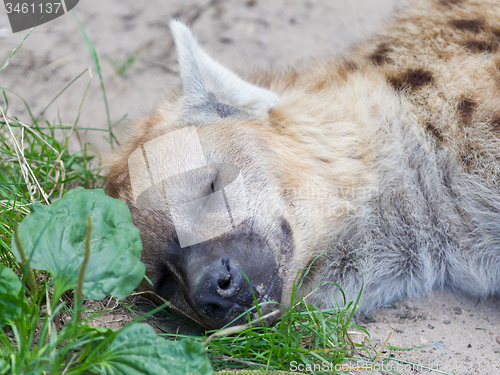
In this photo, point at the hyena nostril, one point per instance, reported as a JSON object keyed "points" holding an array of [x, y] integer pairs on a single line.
{"points": [[225, 284], [224, 281]]}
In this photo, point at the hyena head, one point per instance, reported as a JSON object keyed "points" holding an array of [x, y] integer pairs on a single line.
{"points": [[202, 189]]}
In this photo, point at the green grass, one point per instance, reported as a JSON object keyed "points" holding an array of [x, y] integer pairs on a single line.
{"points": [[36, 165], [305, 335]]}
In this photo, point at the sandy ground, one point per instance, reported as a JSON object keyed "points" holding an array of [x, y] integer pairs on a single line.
{"points": [[460, 335], [455, 334]]}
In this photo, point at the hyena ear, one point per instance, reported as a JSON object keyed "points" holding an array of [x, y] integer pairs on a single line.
{"points": [[210, 88]]}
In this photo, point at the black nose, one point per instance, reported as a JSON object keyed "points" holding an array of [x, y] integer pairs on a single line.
{"points": [[222, 290]]}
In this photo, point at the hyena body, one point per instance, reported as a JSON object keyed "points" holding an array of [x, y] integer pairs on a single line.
{"points": [[382, 167]]}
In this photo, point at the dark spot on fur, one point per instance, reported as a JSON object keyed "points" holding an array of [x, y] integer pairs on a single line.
{"points": [[435, 132], [450, 2], [379, 56], [495, 123], [473, 25], [350, 66], [445, 55], [345, 69], [496, 32], [466, 107], [412, 78], [480, 46]]}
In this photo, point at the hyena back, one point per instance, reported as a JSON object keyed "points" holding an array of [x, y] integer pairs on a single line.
{"points": [[382, 167]]}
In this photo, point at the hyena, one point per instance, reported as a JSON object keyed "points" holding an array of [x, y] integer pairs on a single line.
{"points": [[378, 170]]}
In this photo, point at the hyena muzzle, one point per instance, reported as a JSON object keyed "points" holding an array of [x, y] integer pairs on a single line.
{"points": [[377, 170]]}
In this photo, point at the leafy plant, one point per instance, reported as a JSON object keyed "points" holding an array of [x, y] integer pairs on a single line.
{"points": [[53, 239], [84, 242]]}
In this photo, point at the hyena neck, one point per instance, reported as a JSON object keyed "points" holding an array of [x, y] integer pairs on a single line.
{"points": [[398, 163], [327, 135]]}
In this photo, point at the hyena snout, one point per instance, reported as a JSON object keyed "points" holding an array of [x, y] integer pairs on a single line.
{"points": [[221, 290], [228, 275]]}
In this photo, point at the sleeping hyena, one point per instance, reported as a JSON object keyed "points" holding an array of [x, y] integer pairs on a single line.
{"points": [[378, 170]]}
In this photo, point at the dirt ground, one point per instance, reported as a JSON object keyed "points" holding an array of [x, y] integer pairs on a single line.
{"points": [[461, 335]]}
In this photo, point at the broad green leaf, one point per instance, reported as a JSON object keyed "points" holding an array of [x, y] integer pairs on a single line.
{"points": [[137, 350], [12, 299], [53, 238]]}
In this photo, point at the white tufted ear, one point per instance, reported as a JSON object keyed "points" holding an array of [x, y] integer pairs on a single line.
{"points": [[209, 87]]}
